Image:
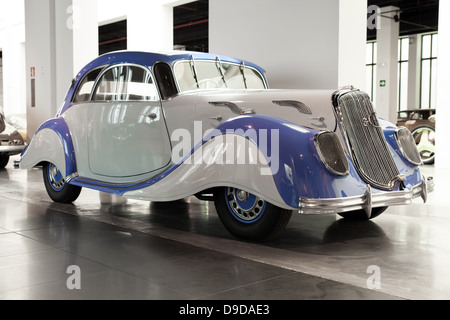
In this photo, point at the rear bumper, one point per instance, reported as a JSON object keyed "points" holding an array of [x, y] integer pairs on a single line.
{"points": [[368, 201]]}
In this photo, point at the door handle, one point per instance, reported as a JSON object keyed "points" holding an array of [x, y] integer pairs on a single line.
{"points": [[218, 118]]}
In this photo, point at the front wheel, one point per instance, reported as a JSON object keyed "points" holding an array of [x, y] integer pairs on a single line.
{"points": [[249, 218], [361, 215], [57, 188]]}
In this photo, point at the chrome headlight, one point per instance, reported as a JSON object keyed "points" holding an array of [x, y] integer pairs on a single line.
{"points": [[408, 146], [331, 153]]}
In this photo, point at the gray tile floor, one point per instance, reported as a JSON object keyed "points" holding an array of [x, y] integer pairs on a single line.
{"points": [[180, 251]]}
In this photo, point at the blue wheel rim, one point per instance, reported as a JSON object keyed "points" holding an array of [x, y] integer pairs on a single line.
{"points": [[244, 207], [55, 178]]}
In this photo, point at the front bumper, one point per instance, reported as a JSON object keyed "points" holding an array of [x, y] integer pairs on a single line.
{"points": [[368, 201], [11, 150]]}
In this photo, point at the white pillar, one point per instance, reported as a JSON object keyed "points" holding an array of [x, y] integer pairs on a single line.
{"points": [[302, 44], [387, 66], [443, 85], [61, 37], [414, 72]]}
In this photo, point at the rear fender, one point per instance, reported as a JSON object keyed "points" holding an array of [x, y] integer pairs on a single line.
{"points": [[51, 143]]}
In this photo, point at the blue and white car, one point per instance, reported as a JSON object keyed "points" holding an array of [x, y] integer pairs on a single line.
{"points": [[163, 127]]}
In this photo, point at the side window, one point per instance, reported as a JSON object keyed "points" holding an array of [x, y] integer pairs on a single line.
{"points": [[86, 85], [126, 83], [164, 77]]}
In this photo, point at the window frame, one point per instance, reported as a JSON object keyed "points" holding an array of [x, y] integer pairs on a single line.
{"points": [[239, 65], [78, 87], [431, 59], [105, 70]]}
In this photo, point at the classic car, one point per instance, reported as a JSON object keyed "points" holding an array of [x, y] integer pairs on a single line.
{"points": [[422, 124], [11, 141], [164, 127]]}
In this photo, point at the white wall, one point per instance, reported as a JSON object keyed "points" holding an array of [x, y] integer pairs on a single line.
{"points": [[12, 38], [296, 41], [443, 85]]}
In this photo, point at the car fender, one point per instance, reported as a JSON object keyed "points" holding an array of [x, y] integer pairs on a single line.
{"points": [[284, 173], [51, 143]]}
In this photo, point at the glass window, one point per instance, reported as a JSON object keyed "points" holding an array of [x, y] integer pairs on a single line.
{"points": [[193, 75], [126, 83], [403, 72], [428, 92], [86, 85]]}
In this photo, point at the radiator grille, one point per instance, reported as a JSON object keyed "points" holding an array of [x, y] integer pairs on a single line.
{"points": [[366, 141]]}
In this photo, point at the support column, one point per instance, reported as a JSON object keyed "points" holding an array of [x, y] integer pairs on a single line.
{"points": [[302, 45], [387, 66], [414, 72], [443, 85], [61, 37]]}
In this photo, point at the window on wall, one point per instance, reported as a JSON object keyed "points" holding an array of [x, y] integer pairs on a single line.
{"points": [[403, 57], [371, 68], [428, 92], [113, 37]]}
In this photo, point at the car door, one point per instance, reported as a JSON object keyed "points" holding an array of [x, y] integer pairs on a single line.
{"points": [[128, 135]]}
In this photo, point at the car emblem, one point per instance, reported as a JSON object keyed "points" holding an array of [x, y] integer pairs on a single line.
{"points": [[366, 122]]}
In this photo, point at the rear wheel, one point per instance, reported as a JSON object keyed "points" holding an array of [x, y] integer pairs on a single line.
{"points": [[249, 218], [361, 215], [3, 161], [57, 188]]}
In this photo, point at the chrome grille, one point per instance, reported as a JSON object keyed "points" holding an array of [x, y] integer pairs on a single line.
{"points": [[365, 139]]}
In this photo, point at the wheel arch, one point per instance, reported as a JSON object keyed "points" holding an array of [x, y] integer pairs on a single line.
{"points": [[51, 143]]}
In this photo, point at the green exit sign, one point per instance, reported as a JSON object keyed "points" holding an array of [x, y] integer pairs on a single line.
{"points": [[383, 83]]}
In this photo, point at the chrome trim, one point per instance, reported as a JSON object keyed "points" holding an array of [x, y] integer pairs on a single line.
{"points": [[71, 177], [300, 106], [234, 107], [365, 139], [322, 158], [367, 201], [403, 151], [11, 150]]}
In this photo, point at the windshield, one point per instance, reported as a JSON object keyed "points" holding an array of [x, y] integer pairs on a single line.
{"points": [[196, 74]]}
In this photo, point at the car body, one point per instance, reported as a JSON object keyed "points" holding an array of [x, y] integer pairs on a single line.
{"points": [[163, 127], [11, 141], [422, 124]]}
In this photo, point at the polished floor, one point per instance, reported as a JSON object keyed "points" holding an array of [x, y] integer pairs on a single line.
{"points": [[180, 251]]}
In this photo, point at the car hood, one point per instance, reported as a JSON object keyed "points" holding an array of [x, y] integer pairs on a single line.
{"points": [[308, 108]]}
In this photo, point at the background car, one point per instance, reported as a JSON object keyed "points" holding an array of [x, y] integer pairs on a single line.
{"points": [[12, 142], [422, 124]]}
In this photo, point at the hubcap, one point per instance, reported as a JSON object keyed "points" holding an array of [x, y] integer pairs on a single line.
{"points": [[55, 177], [244, 206]]}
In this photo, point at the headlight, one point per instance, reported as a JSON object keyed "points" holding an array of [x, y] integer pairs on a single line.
{"points": [[408, 146], [331, 153]]}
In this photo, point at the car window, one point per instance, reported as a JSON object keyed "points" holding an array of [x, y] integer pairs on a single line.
{"points": [[192, 75], [86, 85], [164, 77], [126, 83]]}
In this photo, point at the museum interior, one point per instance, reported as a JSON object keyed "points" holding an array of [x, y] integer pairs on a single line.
{"points": [[102, 107]]}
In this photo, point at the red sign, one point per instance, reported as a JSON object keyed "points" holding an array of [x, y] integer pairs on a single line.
{"points": [[33, 72]]}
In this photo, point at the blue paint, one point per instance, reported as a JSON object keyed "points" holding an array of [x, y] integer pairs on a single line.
{"points": [[59, 126]]}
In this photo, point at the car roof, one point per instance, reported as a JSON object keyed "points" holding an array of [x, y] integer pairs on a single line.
{"points": [[150, 58]]}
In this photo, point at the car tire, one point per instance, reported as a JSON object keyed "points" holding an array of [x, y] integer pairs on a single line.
{"points": [[427, 156], [361, 215], [3, 161], [249, 218], [57, 188]]}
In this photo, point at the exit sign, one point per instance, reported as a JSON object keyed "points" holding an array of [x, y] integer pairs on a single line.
{"points": [[383, 83]]}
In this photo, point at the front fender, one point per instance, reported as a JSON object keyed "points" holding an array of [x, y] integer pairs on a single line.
{"points": [[51, 143]]}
